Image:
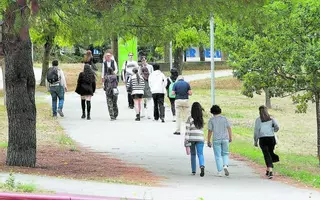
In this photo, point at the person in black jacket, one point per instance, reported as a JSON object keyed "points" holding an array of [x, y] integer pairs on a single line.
{"points": [[86, 86]]}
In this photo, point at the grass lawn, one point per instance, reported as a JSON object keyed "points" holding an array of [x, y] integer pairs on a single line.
{"points": [[297, 146]]}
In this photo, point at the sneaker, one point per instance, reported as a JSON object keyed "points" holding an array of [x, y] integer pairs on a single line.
{"points": [[202, 171], [226, 172], [83, 116], [162, 120], [193, 173], [270, 176], [174, 119], [267, 173], [54, 116], [219, 174], [176, 133], [156, 120], [112, 119], [60, 113]]}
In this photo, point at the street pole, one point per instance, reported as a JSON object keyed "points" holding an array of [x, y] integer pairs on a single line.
{"points": [[212, 58], [170, 55]]}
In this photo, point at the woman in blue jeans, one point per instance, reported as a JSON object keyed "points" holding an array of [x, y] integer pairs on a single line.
{"points": [[194, 137], [220, 128]]}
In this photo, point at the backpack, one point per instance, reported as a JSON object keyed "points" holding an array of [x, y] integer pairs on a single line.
{"points": [[52, 75], [170, 89], [111, 88]]}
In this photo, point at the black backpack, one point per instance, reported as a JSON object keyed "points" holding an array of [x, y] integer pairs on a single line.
{"points": [[52, 75]]}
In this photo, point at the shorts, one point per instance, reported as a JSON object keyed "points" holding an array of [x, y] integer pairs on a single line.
{"points": [[137, 96]]}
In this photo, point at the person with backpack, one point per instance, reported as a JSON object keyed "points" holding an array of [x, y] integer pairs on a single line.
{"points": [[264, 129], [127, 68], [157, 83], [172, 97], [112, 92], [137, 84], [86, 86], [108, 63], [57, 85], [182, 90], [194, 138]]}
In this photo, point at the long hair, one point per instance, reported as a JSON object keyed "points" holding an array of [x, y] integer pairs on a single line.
{"points": [[264, 115], [197, 115], [145, 73], [135, 71], [89, 75], [88, 56]]}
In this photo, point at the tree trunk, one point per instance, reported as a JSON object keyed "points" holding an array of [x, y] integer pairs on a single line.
{"points": [[46, 57], [115, 47], [178, 59], [166, 55], [201, 52], [2, 64], [318, 122], [20, 87], [268, 98]]}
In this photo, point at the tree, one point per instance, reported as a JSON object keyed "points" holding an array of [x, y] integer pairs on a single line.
{"points": [[298, 50], [20, 82]]}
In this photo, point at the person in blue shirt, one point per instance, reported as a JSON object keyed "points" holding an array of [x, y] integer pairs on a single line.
{"points": [[182, 90]]}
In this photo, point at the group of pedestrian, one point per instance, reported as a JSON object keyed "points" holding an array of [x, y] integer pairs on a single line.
{"points": [[147, 85], [220, 136]]}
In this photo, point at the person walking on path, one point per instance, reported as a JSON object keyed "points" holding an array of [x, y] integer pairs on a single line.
{"points": [[137, 84], [182, 90], [108, 63], [57, 85], [88, 59], [127, 68], [147, 96], [111, 88], [220, 128], [144, 63], [86, 86], [157, 83], [195, 137], [170, 82], [264, 129]]}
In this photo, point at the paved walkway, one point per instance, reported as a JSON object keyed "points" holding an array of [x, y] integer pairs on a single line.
{"points": [[152, 145]]}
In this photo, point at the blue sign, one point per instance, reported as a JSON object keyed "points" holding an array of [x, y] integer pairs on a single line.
{"points": [[217, 54]]}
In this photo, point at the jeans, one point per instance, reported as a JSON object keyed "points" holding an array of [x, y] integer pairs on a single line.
{"points": [[196, 148], [57, 92], [182, 109], [158, 100], [221, 153]]}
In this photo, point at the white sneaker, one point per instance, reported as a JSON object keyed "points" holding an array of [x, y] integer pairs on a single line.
{"points": [[174, 118], [219, 174], [226, 172]]}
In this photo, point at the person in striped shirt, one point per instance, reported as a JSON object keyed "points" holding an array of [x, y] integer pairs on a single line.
{"points": [[136, 85], [194, 137]]}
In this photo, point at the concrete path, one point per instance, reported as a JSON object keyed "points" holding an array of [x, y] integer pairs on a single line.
{"points": [[152, 145], [37, 74]]}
